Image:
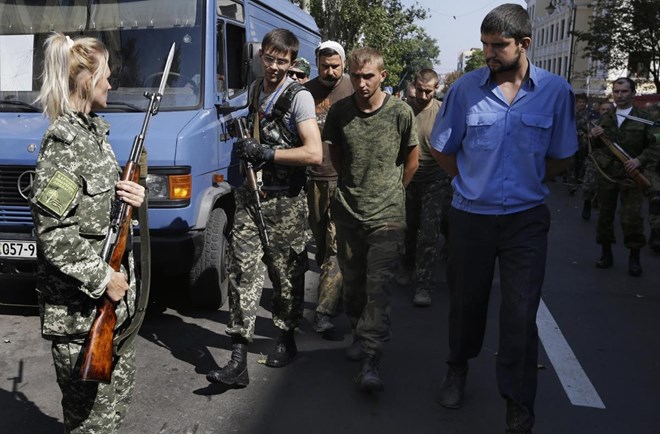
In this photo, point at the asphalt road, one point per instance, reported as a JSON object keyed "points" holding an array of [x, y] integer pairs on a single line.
{"points": [[598, 370]]}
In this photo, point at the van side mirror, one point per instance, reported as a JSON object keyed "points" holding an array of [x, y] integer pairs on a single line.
{"points": [[252, 67]]}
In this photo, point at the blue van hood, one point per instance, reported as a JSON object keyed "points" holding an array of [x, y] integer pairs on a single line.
{"points": [[21, 134]]}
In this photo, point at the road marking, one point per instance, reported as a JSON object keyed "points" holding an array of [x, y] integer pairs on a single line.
{"points": [[576, 384]]}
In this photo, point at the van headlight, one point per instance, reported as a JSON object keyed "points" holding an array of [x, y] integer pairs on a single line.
{"points": [[169, 187]]}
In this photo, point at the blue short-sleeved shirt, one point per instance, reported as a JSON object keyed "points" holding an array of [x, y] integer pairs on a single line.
{"points": [[500, 148]]}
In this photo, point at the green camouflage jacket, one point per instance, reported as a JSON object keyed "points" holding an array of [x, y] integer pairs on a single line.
{"points": [[636, 138], [71, 203]]}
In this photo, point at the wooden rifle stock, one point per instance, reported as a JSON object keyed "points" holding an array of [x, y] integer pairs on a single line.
{"points": [[97, 358], [636, 175]]}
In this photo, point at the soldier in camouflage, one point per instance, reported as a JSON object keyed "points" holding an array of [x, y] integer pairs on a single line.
{"points": [[71, 201], [285, 139], [638, 140], [428, 197], [581, 168], [373, 146]]}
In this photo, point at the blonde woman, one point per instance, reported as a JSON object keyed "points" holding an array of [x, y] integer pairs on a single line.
{"points": [[77, 176]]}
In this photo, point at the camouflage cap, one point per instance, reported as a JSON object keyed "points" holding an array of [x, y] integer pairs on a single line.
{"points": [[301, 65]]}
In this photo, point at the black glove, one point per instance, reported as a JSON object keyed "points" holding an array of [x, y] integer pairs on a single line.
{"points": [[253, 151]]}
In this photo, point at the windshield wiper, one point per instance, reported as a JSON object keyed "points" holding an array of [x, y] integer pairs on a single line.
{"points": [[126, 105], [22, 104]]}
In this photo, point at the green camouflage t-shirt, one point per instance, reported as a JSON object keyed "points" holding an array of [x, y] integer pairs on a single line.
{"points": [[372, 145]]}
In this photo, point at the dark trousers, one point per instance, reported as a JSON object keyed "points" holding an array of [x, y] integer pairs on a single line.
{"points": [[519, 243]]}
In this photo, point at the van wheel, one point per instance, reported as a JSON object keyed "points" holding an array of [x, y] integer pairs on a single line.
{"points": [[209, 274]]}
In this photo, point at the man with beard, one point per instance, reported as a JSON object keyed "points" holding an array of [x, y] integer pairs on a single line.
{"points": [[331, 85], [428, 196], [501, 131]]}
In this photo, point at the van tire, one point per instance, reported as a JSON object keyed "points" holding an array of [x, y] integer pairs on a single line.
{"points": [[209, 277]]}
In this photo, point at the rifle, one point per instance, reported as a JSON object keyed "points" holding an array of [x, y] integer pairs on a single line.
{"points": [[636, 175], [241, 131], [97, 358]]}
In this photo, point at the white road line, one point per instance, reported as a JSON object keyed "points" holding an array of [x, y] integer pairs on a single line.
{"points": [[576, 384]]}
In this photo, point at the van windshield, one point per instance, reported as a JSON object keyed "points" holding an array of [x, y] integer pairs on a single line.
{"points": [[137, 33]]}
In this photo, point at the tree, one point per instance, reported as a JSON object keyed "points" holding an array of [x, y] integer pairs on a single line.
{"points": [[382, 24], [475, 61], [450, 79], [623, 34]]}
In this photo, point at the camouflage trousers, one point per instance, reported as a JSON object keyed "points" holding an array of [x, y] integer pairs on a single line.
{"points": [[91, 407], [285, 260], [653, 174], [369, 258], [427, 207], [319, 196], [589, 179], [630, 213]]}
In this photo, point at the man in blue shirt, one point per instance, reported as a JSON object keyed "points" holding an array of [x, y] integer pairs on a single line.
{"points": [[502, 130]]}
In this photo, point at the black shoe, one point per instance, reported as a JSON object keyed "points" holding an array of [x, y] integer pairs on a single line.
{"points": [[235, 373], [453, 385], [586, 210], [606, 260], [368, 380], [355, 352], [654, 240], [518, 419], [285, 350], [634, 266], [422, 298], [322, 323]]}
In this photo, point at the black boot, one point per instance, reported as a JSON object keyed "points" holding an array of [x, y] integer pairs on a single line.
{"points": [[235, 373], [285, 350], [654, 240], [368, 380], [606, 260], [634, 266], [586, 210], [453, 385]]}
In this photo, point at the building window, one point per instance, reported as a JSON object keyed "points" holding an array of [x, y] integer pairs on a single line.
{"points": [[552, 32], [559, 71], [563, 24]]}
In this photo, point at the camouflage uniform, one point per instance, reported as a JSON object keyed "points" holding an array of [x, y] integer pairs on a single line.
{"points": [[285, 214], [321, 188], [583, 166], [71, 203], [428, 199], [369, 209], [637, 140]]}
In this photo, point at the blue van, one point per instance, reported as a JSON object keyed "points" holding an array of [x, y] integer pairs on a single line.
{"points": [[192, 169]]}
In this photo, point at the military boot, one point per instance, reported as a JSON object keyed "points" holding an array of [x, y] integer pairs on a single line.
{"points": [[518, 419], [453, 385], [654, 240], [586, 210], [235, 373], [285, 350], [368, 380], [634, 266], [606, 260]]}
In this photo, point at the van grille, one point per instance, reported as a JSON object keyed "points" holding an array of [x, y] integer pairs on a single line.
{"points": [[13, 208]]}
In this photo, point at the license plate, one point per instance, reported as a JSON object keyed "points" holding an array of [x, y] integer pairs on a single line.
{"points": [[18, 249]]}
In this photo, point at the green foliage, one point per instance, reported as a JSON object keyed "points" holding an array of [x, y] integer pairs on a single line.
{"points": [[382, 24], [475, 61], [625, 35], [450, 79]]}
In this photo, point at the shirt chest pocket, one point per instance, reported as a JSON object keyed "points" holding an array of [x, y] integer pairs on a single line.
{"points": [[96, 204], [482, 133], [536, 131]]}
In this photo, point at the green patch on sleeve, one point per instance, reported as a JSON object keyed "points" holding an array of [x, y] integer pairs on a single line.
{"points": [[59, 193]]}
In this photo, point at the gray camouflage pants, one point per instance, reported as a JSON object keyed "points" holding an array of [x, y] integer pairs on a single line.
{"points": [[319, 196], [286, 261], [369, 259], [91, 407]]}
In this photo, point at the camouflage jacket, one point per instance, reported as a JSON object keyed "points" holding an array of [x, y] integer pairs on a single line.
{"points": [[71, 203], [636, 138]]}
